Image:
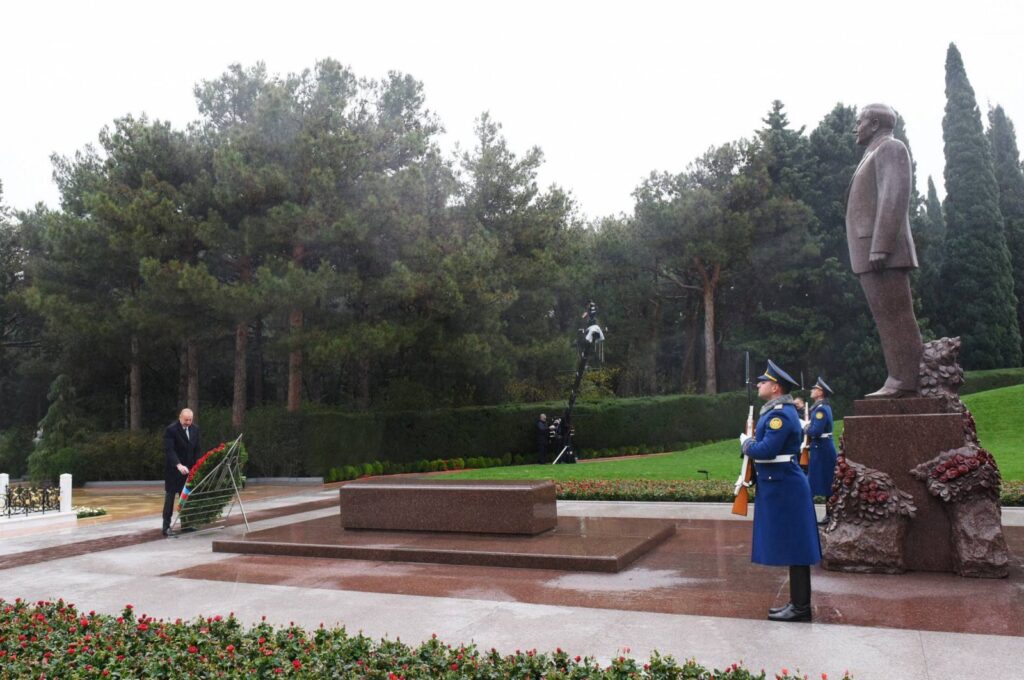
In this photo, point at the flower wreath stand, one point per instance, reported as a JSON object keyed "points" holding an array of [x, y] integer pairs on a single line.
{"points": [[213, 487]]}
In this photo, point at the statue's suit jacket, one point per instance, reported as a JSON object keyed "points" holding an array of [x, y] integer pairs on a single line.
{"points": [[876, 209]]}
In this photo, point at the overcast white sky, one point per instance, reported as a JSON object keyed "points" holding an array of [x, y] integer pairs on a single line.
{"points": [[610, 91]]}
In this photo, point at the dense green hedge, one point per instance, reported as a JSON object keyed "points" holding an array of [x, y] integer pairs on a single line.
{"points": [[313, 441], [982, 381], [324, 442]]}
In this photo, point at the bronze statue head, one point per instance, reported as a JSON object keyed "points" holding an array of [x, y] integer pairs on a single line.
{"points": [[872, 119]]}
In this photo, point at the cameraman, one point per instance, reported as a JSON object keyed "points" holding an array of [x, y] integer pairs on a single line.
{"points": [[542, 439]]}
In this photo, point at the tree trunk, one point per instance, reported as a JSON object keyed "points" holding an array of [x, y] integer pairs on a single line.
{"points": [[193, 375], [710, 282], [257, 364], [654, 344], [295, 365], [135, 387], [240, 380], [182, 376], [295, 358], [689, 376]]}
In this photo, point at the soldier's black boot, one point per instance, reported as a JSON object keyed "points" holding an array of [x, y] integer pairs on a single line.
{"points": [[799, 607]]}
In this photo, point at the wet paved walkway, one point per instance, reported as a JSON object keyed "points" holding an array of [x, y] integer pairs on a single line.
{"points": [[125, 501], [697, 595]]}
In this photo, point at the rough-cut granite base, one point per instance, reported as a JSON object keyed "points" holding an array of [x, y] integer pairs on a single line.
{"points": [[865, 549], [979, 546], [431, 504], [602, 544], [897, 436]]}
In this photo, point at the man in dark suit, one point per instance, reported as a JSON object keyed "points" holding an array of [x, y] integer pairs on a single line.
{"points": [[181, 451], [881, 248]]}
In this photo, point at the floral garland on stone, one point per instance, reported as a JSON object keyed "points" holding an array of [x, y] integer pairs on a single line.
{"points": [[861, 495], [957, 474]]}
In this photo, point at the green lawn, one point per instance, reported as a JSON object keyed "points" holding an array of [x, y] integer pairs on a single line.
{"points": [[997, 413]]}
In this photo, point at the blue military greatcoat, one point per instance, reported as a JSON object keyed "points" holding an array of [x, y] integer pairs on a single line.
{"points": [[823, 450], [785, 527]]}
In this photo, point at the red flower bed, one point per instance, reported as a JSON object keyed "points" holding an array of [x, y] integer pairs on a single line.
{"points": [[55, 640]]}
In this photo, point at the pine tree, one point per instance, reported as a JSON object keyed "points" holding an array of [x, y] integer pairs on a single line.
{"points": [[978, 300], [776, 316], [1010, 176]]}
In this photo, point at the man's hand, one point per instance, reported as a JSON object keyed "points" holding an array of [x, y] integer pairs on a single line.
{"points": [[877, 261], [743, 439], [182, 469]]}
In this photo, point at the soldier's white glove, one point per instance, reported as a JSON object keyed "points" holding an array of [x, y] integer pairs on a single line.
{"points": [[804, 424], [743, 439]]}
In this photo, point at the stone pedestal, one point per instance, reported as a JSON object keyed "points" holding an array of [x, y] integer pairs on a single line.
{"points": [[449, 505], [894, 436]]}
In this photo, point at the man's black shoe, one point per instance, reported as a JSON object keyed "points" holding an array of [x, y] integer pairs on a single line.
{"points": [[791, 613], [776, 610], [169, 534]]}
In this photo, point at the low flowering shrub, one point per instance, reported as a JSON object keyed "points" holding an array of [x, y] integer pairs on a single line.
{"points": [[54, 640], [1012, 493], [692, 490], [713, 490]]}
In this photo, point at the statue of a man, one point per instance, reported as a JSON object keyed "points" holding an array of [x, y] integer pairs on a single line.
{"points": [[881, 247]]}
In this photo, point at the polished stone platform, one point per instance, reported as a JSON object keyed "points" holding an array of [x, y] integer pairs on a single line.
{"points": [[601, 544], [704, 569], [448, 505]]}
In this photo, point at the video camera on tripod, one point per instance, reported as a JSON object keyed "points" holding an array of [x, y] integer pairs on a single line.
{"points": [[589, 341]]}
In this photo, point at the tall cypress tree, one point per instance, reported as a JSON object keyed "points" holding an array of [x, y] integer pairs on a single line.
{"points": [[978, 300], [1010, 176], [930, 239]]}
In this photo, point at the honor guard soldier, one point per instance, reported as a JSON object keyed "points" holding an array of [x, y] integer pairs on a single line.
{"points": [[785, 533], [823, 450]]}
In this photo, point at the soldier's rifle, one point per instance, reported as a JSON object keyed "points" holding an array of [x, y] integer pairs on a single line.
{"points": [[744, 481], [805, 447]]}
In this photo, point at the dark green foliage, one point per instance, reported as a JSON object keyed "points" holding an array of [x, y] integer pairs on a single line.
{"points": [[930, 240], [24, 376], [119, 456], [1010, 177], [15, 446], [62, 430], [982, 381], [309, 225], [770, 303], [978, 299]]}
